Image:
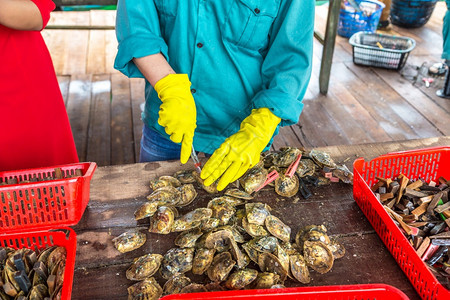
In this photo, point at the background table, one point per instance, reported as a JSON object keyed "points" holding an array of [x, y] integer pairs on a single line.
{"points": [[117, 191]]}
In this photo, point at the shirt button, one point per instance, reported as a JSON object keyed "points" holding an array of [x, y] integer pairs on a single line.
{"points": [[193, 91], [257, 10], [199, 45]]}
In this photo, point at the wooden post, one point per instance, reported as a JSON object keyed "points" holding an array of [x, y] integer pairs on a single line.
{"points": [[328, 47]]}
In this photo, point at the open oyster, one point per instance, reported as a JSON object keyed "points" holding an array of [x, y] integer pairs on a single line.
{"points": [[221, 266], [147, 289], [129, 241], [299, 269], [175, 284], [318, 256], [144, 267], [277, 228], [241, 278]]}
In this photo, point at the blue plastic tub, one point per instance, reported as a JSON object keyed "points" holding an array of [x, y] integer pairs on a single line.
{"points": [[352, 21], [411, 14]]}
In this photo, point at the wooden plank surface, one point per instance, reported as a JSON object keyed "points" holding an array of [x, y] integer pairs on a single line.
{"points": [[99, 137], [137, 94], [117, 191], [78, 110], [64, 82], [122, 141]]}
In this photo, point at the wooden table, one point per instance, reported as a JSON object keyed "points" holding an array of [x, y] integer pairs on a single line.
{"points": [[117, 191]]}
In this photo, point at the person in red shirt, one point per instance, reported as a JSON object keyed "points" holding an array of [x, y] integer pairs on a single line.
{"points": [[34, 127]]}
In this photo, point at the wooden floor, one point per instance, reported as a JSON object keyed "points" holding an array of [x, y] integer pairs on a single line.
{"points": [[363, 105]]}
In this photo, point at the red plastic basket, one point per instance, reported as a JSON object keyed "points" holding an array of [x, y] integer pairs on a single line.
{"points": [[428, 164], [354, 292], [65, 237], [31, 212], [44, 204]]}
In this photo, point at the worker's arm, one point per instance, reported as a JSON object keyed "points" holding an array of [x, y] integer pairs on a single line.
{"points": [[143, 53], [20, 15], [154, 67]]}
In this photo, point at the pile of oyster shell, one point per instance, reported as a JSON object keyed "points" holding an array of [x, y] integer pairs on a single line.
{"points": [[27, 274], [236, 242]]}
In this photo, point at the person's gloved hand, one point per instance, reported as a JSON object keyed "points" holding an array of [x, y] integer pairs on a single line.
{"points": [[242, 150], [177, 113]]}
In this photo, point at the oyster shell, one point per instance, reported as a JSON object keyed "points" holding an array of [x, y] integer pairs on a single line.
{"points": [[209, 224], [214, 287], [188, 238], [286, 186], [228, 199], [286, 156], [211, 189], [144, 267], [39, 291], [312, 233], [265, 280], [253, 229], [162, 221], [44, 254], [253, 178], [202, 260], [167, 194], [175, 284], [177, 261], [220, 240], [336, 248], [322, 159], [264, 244], [221, 266], [193, 288], [237, 193], [188, 194], [318, 256], [278, 286], [192, 219], [270, 263], [343, 173], [185, 176], [299, 269], [277, 228], [238, 237], [289, 248], [241, 278], [257, 212], [164, 181], [241, 259], [147, 209], [129, 241], [147, 289], [221, 210], [283, 258], [306, 167], [268, 158], [251, 252]]}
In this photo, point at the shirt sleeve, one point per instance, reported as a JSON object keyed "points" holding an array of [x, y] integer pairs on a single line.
{"points": [[45, 7], [138, 34], [286, 69]]}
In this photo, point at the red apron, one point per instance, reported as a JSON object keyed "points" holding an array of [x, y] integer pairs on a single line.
{"points": [[34, 127]]}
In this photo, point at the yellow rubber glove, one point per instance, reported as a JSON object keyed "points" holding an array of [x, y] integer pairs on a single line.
{"points": [[242, 150], [177, 113]]}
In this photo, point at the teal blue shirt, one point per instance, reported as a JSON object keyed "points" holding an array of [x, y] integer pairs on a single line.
{"points": [[238, 54]]}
